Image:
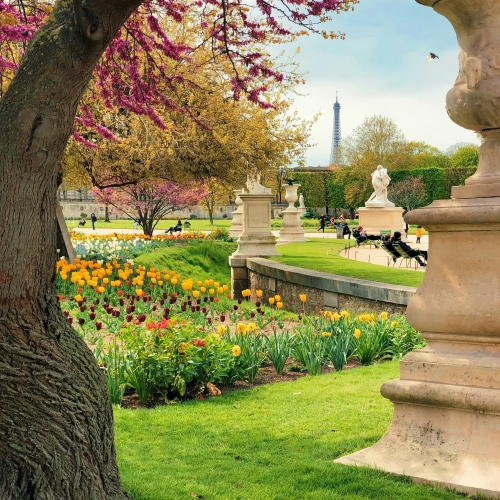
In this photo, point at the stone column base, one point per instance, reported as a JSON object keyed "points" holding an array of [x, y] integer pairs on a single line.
{"points": [[375, 219], [447, 447], [239, 276], [291, 230]]}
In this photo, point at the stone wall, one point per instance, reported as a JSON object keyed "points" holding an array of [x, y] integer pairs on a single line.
{"points": [[324, 291]]}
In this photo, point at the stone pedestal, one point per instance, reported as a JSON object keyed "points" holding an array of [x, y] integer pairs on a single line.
{"points": [[256, 238], [374, 219], [237, 221], [446, 423], [291, 225]]}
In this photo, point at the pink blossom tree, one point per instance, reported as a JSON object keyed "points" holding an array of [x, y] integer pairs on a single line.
{"points": [[55, 416], [149, 202]]}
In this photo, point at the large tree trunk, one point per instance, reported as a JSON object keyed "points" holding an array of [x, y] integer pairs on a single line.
{"points": [[56, 426]]}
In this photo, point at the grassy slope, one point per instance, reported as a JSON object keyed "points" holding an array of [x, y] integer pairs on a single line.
{"points": [[199, 260], [322, 255], [274, 442]]}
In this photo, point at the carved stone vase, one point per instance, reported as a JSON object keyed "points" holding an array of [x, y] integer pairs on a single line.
{"points": [[237, 222], [446, 423]]}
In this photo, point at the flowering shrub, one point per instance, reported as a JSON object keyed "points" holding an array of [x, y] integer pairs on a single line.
{"points": [[159, 333], [122, 247]]}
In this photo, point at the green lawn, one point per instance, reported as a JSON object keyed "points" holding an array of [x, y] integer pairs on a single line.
{"points": [[323, 255], [274, 442], [196, 224]]}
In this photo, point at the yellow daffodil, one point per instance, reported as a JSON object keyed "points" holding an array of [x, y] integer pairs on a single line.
{"points": [[326, 334], [357, 333], [236, 350], [221, 330], [383, 315], [241, 328], [336, 316], [344, 314]]}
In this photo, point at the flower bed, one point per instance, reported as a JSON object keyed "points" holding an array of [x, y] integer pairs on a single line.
{"points": [[162, 334]]}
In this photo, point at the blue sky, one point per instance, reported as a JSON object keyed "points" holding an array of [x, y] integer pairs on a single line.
{"points": [[381, 69]]}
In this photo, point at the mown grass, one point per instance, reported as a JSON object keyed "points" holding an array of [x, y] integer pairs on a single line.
{"points": [[209, 259], [323, 255], [274, 442], [198, 259]]}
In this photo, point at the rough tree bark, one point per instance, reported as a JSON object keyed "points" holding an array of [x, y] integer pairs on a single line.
{"points": [[56, 427]]}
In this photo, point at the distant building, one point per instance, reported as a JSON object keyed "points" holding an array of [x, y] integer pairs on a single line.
{"points": [[336, 135]]}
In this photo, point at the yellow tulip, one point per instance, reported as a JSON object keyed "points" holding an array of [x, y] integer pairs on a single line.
{"points": [[139, 292], [302, 297], [357, 333], [271, 300], [78, 298], [277, 298], [160, 282], [211, 291], [105, 281], [258, 293], [279, 305], [196, 293], [199, 283], [225, 287], [100, 289], [203, 289], [174, 281], [220, 290]]}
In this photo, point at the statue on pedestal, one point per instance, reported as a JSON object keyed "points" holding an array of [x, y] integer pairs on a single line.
{"points": [[380, 181], [301, 201], [253, 183]]}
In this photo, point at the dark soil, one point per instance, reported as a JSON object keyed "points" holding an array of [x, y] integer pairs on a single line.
{"points": [[266, 375]]}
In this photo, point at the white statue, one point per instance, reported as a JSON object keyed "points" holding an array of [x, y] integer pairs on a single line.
{"points": [[301, 201], [380, 181], [253, 183]]}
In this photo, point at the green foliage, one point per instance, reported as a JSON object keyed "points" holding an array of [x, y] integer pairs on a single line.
{"points": [[278, 347], [465, 157], [220, 234]]}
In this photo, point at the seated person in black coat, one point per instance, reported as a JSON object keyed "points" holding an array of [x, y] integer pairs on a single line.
{"points": [[410, 251], [360, 234]]}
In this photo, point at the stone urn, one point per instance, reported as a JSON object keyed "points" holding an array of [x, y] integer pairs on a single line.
{"points": [[237, 224], [474, 101], [446, 423]]}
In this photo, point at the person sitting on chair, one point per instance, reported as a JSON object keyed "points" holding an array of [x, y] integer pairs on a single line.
{"points": [[82, 223], [408, 250], [360, 234], [174, 229]]}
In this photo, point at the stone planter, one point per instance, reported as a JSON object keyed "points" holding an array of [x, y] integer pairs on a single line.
{"points": [[291, 225]]}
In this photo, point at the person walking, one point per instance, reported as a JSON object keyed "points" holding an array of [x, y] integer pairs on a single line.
{"points": [[322, 222], [93, 219], [418, 233]]}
